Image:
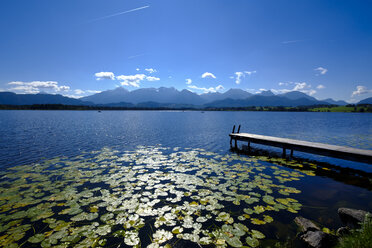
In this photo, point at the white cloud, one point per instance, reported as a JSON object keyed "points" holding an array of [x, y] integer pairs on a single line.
{"points": [[298, 86], [188, 81], [310, 92], [249, 72], [79, 91], [304, 88], [207, 90], [301, 86], [93, 91], [37, 86], [131, 80], [63, 88], [240, 75], [208, 74], [360, 90], [320, 86], [135, 80], [150, 78], [219, 87], [281, 91], [82, 92], [150, 70], [321, 70], [104, 75], [73, 96], [137, 69]]}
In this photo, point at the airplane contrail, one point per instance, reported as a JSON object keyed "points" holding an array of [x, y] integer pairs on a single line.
{"points": [[120, 13]]}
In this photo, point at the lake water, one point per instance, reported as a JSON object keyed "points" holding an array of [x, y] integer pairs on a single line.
{"points": [[125, 156]]}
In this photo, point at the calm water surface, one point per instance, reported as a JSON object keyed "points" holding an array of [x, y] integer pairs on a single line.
{"points": [[27, 137]]}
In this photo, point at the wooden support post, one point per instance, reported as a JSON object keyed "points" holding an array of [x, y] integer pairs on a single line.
{"points": [[291, 153], [236, 143], [249, 146], [284, 152], [239, 129], [231, 137]]}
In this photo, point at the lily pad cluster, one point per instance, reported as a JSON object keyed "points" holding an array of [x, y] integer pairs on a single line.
{"points": [[149, 197]]}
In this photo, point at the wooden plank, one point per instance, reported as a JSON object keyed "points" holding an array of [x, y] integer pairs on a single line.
{"points": [[342, 152]]}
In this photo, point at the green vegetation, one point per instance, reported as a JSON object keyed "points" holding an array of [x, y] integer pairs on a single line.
{"points": [[361, 238], [347, 108]]}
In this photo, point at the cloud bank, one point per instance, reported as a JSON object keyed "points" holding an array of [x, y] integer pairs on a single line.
{"points": [[37, 86], [207, 90], [135, 80]]}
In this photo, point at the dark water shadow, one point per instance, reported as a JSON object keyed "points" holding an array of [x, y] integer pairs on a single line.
{"points": [[346, 175]]}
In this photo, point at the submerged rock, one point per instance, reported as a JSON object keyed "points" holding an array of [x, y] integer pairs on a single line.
{"points": [[352, 217], [305, 224], [342, 231], [318, 239]]}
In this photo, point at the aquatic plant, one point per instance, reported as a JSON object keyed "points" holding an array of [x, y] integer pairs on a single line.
{"points": [[150, 196], [360, 238]]}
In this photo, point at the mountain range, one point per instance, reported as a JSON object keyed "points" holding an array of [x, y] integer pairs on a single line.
{"points": [[173, 98]]}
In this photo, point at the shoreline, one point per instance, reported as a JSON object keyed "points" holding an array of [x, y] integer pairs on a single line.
{"points": [[334, 109]]}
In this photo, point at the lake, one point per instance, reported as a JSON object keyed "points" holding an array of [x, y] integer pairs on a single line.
{"points": [[150, 178]]}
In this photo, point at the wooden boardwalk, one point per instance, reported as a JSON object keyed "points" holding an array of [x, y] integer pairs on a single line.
{"points": [[347, 153]]}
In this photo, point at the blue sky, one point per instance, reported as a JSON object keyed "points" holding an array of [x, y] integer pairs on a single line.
{"points": [[78, 47]]}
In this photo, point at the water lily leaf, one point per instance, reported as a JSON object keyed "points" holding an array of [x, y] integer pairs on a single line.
{"points": [[268, 219], [177, 230], [252, 242], [93, 209], [268, 199], [160, 236], [234, 242], [257, 221], [259, 209], [257, 234]]}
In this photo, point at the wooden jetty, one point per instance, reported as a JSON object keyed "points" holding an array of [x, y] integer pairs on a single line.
{"points": [[347, 153]]}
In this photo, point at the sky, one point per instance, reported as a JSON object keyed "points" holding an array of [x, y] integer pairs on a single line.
{"points": [[80, 47]]}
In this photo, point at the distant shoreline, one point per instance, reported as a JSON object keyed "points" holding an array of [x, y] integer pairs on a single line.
{"points": [[363, 108]]}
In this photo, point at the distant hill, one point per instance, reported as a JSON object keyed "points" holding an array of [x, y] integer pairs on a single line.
{"points": [[160, 95], [10, 98], [294, 95], [333, 102], [366, 101], [266, 93], [170, 98], [108, 96], [258, 100]]}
